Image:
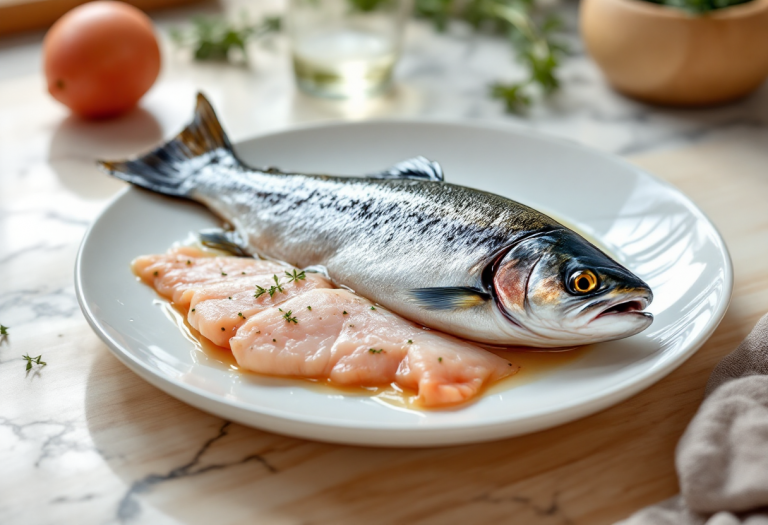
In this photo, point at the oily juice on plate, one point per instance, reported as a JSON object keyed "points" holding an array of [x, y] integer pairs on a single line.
{"points": [[534, 364]]}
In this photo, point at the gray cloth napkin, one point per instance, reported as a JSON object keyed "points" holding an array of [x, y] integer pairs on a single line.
{"points": [[722, 459]]}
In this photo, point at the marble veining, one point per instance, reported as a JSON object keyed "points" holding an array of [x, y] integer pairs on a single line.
{"points": [[129, 508]]}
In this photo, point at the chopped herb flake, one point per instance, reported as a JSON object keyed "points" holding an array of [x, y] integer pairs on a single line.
{"points": [[274, 340], [193, 309], [410, 342], [229, 298], [373, 307], [309, 308], [240, 314], [189, 262], [155, 274], [344, 312], [242, 273], [222, 328], [3, 330], [439, 359], [224, 274], [374, 351]]}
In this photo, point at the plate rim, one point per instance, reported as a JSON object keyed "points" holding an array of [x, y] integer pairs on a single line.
{"points": [[440, 433]]}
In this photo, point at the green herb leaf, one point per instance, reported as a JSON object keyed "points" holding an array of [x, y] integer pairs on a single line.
{"points": [[366, 6], [278, 287], [374, 351], [33, 360], [531, 34], [216, 39], [3, 330], [698, 7], [260, 291], [513, 95], [296, 276], [288, 318]]}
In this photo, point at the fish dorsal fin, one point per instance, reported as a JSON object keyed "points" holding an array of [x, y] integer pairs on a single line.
{"points": [[449, 297], [417, 168]]}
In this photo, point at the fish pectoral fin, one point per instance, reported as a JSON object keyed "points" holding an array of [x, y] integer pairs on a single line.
{"points": [[417, 168], [226, 241], [449, 297], [318, 269]]}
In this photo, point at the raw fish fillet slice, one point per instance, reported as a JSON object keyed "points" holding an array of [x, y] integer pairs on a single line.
{"points": [[366, 346], [228, 304], [172, 273]]}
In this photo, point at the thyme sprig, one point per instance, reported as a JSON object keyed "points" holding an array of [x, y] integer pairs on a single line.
{"points": [[532, 35], [217, 39], [278, 286], [289, 318], [33, 361]]}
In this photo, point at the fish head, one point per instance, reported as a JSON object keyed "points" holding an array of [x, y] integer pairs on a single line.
{"points": [[561, 290]]}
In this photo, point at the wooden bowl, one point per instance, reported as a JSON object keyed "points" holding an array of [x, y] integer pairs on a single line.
{"points": [[667, 56]]}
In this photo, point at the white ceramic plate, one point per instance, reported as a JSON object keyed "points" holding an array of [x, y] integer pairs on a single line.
{"points": [[648, 225]]}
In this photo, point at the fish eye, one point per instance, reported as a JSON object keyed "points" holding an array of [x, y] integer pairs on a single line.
{"points": [[584, 281]]}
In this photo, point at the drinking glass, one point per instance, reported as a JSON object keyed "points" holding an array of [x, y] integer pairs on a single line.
{"points": [[345, 48]]}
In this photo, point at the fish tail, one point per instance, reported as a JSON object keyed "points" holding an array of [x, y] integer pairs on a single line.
{"points": [[171, 168]]}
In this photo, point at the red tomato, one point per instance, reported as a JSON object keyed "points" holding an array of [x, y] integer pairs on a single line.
{"points": [[100, 58]]}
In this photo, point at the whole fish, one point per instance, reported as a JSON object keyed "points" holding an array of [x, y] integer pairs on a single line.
{"points": [[460, 260]]}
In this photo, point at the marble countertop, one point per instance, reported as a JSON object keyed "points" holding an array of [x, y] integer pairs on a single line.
{"points": [[83, 440]]}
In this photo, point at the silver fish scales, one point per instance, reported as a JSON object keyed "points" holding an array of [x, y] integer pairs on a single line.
{"points": [[452, 258]]}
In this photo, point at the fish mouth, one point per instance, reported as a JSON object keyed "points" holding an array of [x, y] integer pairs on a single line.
{"points": [[625, 306]]}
